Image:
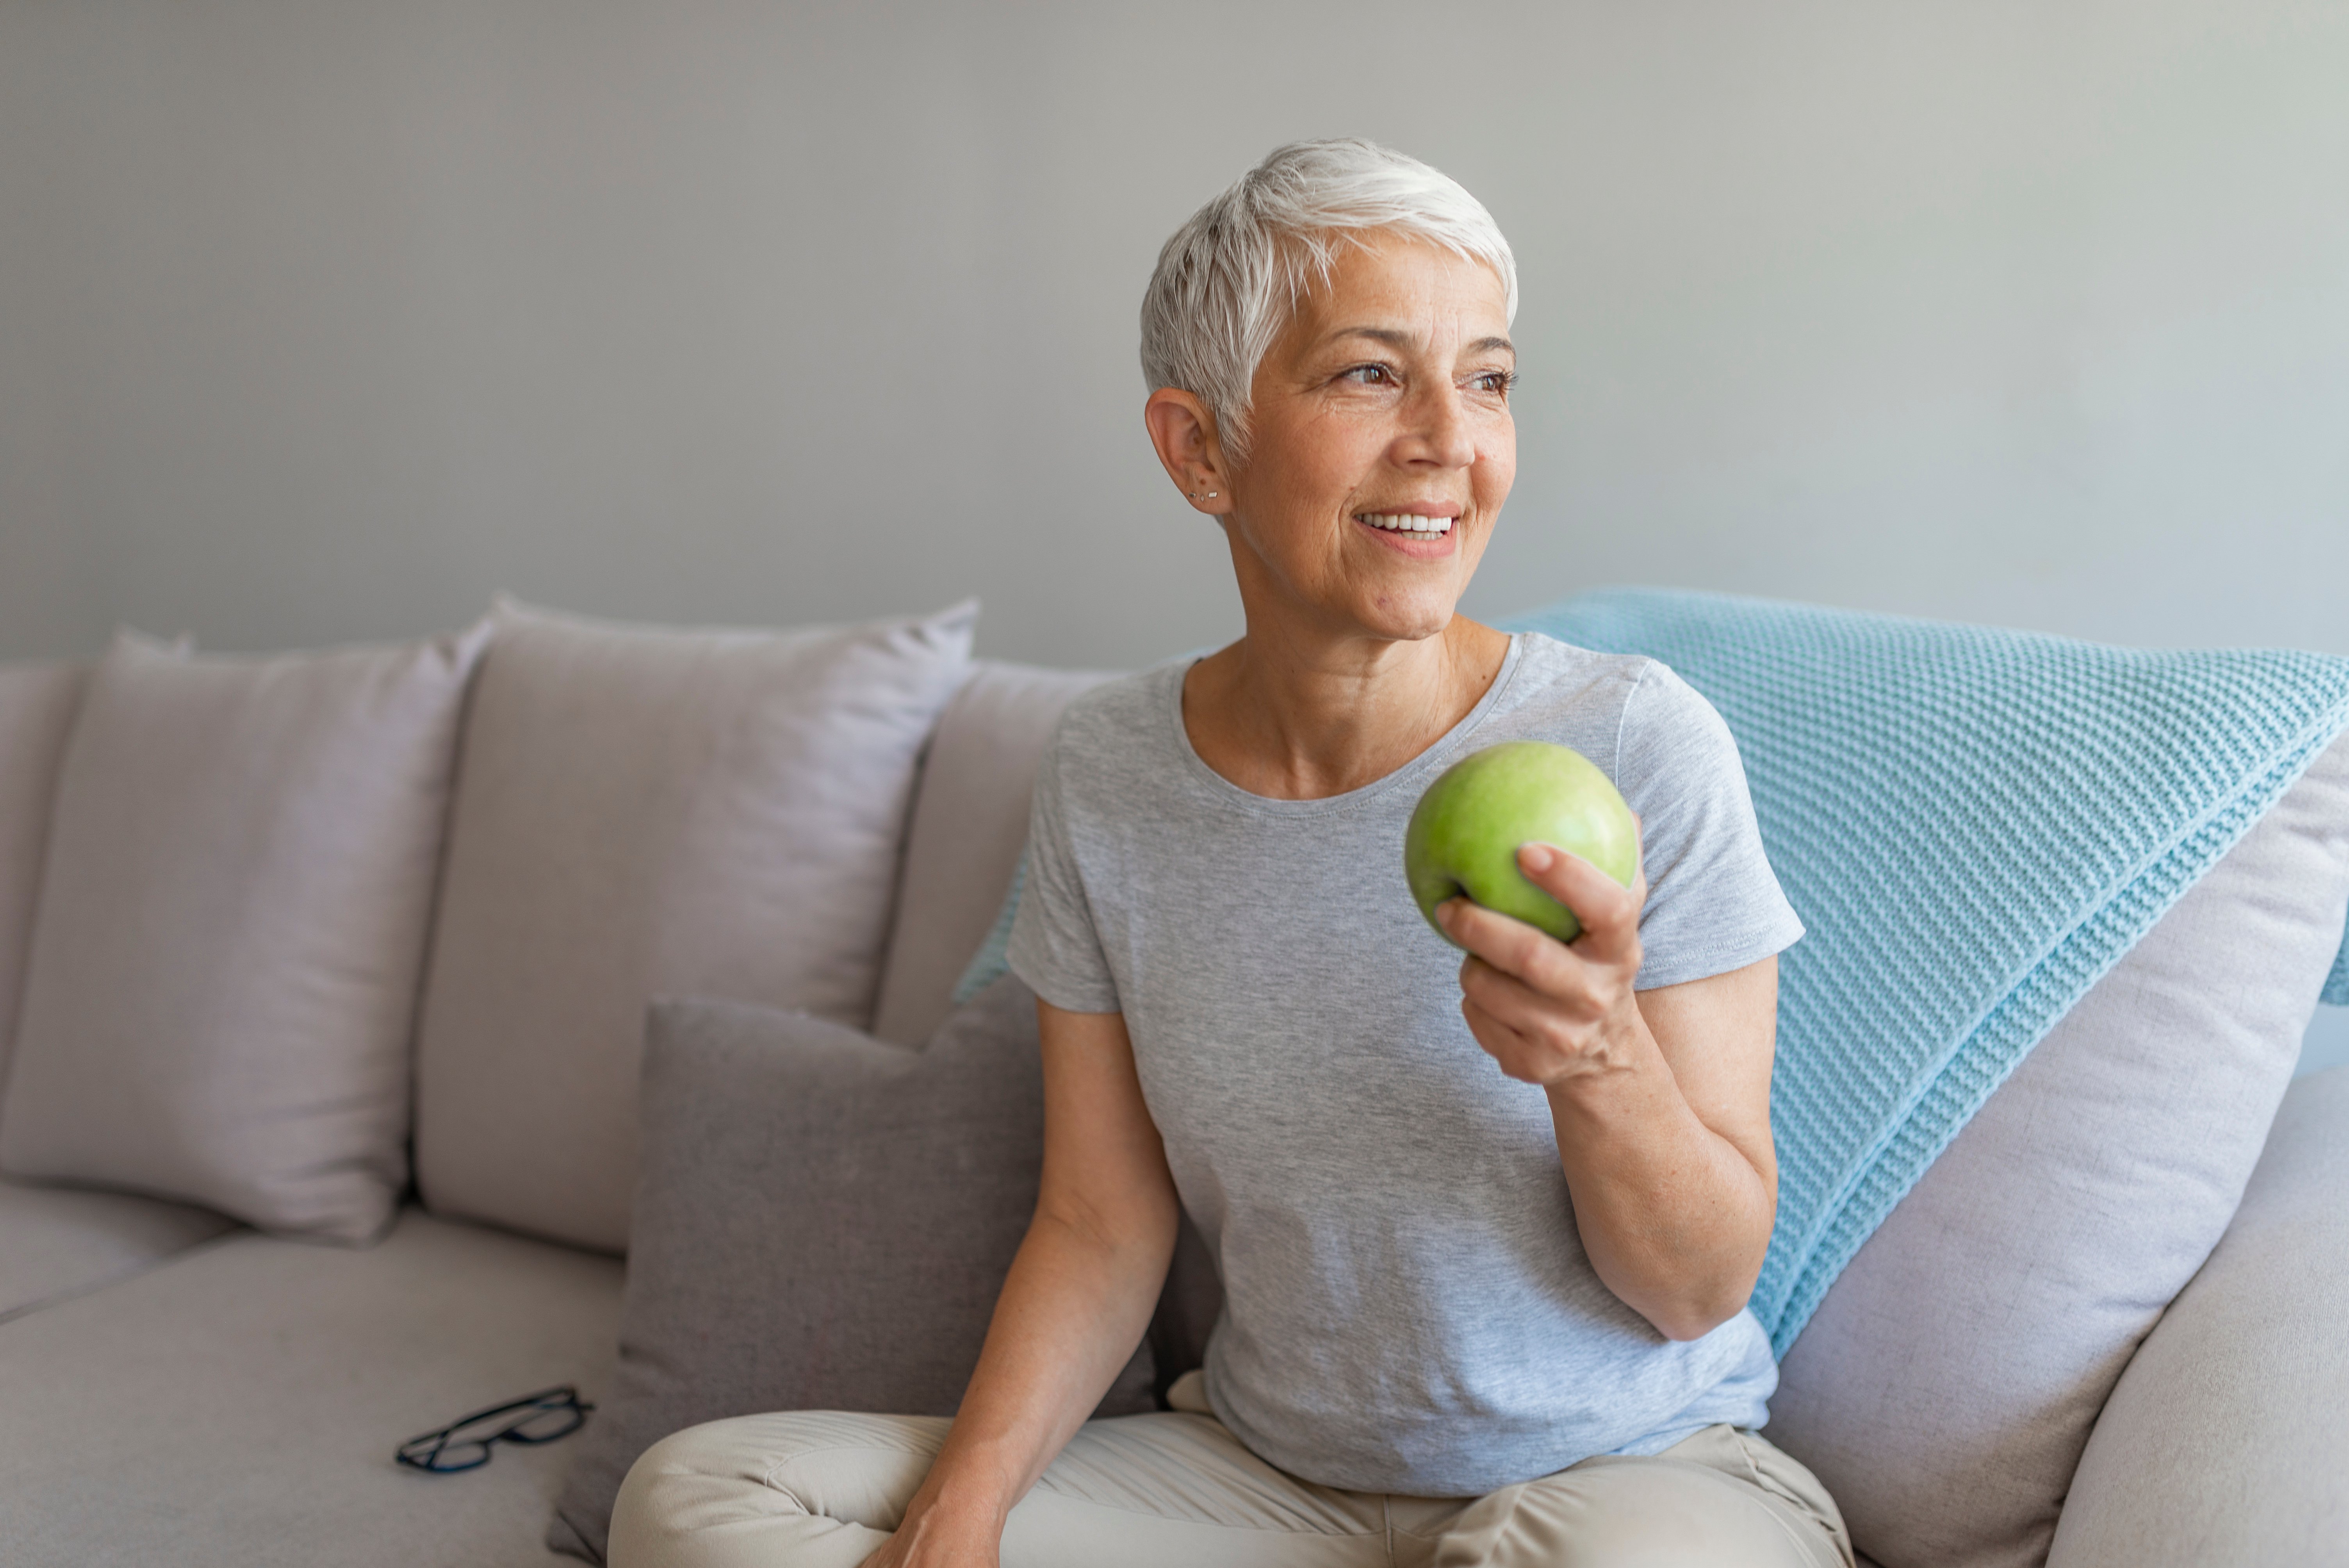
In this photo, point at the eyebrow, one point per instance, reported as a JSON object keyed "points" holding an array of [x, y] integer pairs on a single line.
{"points": [[1397, 339]]}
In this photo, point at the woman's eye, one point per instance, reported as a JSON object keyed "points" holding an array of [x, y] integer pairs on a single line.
{"points": [[1367, 376], [1496, 381]]}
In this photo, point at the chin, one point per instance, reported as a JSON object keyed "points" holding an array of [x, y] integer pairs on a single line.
{"points": [[1407, 622]]}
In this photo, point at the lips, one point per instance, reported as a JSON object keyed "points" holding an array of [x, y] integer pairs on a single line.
{"points": [[1406, 523]]}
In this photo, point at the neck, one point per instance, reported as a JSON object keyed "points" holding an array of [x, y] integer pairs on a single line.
{"points": [[1300, 717]]}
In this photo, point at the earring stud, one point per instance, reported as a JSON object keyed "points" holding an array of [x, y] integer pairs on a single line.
{"points": [[1194, 494]]}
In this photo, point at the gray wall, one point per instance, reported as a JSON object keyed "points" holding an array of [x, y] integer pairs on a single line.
{"points": [[323, 320]]}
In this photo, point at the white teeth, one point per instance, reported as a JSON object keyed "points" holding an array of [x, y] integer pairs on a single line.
{"points": [[1403, 523]]}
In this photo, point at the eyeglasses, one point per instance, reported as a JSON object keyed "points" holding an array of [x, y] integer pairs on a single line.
{"points": [[464, 1445]]}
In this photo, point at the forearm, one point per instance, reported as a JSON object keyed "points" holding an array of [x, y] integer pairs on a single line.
{"points": [[1673, 1217], [1075, 1303]]}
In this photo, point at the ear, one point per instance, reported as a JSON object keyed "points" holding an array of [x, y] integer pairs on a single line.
{"points": [[1183, 432]]}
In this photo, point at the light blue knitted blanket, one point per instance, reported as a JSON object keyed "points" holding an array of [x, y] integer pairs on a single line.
{"points": [[1974, 825]]}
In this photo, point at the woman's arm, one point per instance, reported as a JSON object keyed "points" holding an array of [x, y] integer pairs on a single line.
{"points": [[1661, 1100], [1074, 1305]]}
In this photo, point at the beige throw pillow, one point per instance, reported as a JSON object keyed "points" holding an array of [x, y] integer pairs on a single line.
{"points": [[1946, 1387], [222, 978], [38, 703], [969, 819], [642, 811]]}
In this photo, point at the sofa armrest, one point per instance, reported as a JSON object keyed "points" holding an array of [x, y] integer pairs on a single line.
{"points": [[2224, 1440]]}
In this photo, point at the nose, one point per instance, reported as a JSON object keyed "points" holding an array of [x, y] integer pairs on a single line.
{"points": [[1436, 431]]}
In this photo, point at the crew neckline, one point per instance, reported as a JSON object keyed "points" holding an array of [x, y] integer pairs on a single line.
{"points": [[1438, 753]]}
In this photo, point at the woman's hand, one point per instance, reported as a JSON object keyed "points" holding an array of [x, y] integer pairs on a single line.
{"points": [[937, 1537], [1549, 1010], [1660, 1099]]}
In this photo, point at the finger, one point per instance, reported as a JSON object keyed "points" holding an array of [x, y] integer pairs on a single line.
{"points": [[1608, 911], [1509, 945], [1521, 1008], [1510, 1052]]}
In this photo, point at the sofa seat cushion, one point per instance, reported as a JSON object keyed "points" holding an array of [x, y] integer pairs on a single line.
{"points": [[57, 1241], [242, 1404]]}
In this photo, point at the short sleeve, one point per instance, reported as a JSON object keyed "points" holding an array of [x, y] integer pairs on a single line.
{"points": [[1713, 904], [1054, 947]]}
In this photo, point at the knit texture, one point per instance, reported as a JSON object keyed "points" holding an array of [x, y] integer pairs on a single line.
{"points": [[1974, 825]]}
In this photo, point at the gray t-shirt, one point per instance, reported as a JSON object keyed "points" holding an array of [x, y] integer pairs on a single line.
{"points": [[1407, 1304]]}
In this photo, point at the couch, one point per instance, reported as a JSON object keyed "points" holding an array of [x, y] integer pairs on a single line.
{"points": [[177, 1386]]}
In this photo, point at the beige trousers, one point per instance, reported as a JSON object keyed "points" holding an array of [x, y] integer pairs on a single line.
{"points": [[824, 1489]]}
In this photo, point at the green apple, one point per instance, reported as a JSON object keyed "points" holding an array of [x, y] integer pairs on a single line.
{"points": [[1466, 830]]}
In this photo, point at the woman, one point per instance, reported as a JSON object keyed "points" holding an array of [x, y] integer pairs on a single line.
{"points": [[1487, 1228]]}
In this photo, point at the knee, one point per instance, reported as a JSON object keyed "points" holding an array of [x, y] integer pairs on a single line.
{"points": [[756, 1475], [682, 1483], [696, 1451]]}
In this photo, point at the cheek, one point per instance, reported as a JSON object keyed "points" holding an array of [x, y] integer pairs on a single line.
{"points": [[1317, 482], [1496, 468], [1345, 455]]}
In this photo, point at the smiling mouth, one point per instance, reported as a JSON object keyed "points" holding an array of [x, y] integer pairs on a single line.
{"points": [[1406, 524]]}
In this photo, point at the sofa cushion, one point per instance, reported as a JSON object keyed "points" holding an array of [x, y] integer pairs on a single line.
{"points": [[971, 817], [1946, 1385], [38, 703], [222, 984], [58, 1241], [2223, 1442], [823, 1222], [241, 1404], [642, 811]]}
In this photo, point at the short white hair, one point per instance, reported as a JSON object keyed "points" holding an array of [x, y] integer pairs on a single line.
{"points": [[1228, 280]]}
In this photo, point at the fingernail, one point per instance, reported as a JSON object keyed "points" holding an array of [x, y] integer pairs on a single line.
{"points": [[1537, 857]]}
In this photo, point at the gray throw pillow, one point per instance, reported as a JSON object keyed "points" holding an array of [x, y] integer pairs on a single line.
{"points": [[823, 1222]]}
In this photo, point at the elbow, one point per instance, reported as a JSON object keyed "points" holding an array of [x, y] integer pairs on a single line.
{"points": [[1692, 1321], [1693, 1314]]}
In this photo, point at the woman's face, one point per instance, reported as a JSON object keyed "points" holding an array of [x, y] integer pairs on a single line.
{"points": [[1382, 445]]}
